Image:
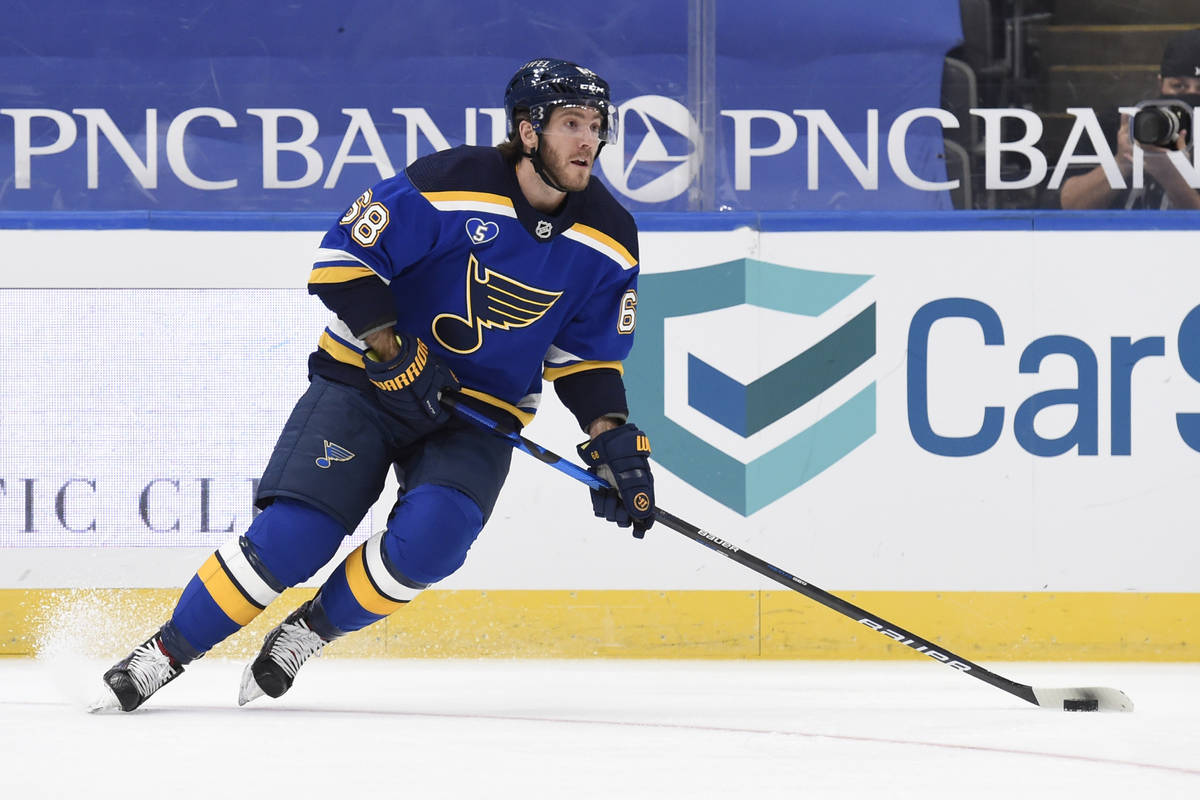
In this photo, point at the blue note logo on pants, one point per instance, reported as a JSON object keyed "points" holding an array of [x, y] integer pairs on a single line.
{"points": [[747, 408], [333, 452]]}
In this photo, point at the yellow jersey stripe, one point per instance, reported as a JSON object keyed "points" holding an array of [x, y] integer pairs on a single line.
{"points": [[227, 596], [554, 373], [606, 240], [526, 417], [339, 274], [339, 351], [470, 197], [362, 589]]}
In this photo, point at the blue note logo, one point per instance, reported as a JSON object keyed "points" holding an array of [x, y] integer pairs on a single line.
{"points": [[479, 231], [820, 370], [493, 301], [333, 452], [658, 153]]}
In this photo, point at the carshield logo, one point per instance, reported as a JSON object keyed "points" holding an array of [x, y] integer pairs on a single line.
{"points": [[658, 152], [747, 408]]}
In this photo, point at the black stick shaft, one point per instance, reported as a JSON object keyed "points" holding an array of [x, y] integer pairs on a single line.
{"points": [[764, 568]]}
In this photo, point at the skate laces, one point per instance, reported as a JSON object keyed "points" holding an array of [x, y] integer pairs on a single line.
{"points": [[295, 644], [149, 668]]}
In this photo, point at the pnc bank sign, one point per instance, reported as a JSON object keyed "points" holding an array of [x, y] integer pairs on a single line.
{"points": [[655, 160], [292, 146]]}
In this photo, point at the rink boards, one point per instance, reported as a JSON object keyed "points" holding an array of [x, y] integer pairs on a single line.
{"points": [[979, 626], [984, 427]]}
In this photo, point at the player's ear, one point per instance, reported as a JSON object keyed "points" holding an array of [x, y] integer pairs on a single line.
{"points": [[528, 135]]}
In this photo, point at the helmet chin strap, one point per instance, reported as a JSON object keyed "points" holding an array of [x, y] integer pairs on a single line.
{"points": [[535, 158]]}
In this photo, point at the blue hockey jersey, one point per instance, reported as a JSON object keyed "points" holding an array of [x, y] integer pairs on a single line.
{"points": [[449, 250]]}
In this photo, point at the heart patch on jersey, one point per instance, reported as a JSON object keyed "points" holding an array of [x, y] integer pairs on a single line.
{"points": [[480, 231]]}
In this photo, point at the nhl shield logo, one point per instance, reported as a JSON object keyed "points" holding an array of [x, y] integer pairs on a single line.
{"points": [[543, 229]]}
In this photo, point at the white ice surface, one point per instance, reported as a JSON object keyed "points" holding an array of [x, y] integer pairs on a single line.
{"points": [[601, 729]]}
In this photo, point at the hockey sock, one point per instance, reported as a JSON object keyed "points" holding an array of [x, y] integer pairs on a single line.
{"points": [[285, 545], [223, 596], [427, 538], [362, 589]]}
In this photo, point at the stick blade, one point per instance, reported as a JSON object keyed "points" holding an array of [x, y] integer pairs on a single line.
{"points": [[1092, 698]]}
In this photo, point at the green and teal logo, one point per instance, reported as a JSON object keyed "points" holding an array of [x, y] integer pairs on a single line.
{"points": [[743, 408]]}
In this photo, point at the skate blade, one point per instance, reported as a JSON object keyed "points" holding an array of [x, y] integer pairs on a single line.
{"points": [[105, 702], [250, 690]]}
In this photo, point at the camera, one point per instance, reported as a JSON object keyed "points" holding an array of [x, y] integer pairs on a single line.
{"points": [[1159, 122]]}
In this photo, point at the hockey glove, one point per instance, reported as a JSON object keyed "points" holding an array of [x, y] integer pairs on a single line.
{"points": [[618, 456], [410, 385]]}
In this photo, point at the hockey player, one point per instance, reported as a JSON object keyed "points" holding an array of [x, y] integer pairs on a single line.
{"points": [[477, 270]]}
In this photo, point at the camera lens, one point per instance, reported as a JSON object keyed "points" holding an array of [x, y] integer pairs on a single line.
{"points": [[1155, 126]]}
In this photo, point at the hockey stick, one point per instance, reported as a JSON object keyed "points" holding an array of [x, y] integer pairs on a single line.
{"points": [[1093, 698]]}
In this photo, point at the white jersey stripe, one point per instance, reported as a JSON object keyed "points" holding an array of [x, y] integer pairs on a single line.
{"points": [[326, 255], [475, 205], [557, 356], [599, 247], [342, 331]]}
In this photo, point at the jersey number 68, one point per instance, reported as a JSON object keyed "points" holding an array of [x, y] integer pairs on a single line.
{"points": [[369, 219]]}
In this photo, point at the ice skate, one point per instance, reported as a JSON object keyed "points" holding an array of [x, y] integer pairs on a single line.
{"points": [[284, 650], [132, 680]]}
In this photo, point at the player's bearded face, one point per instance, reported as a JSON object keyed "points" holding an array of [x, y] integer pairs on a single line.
{"points": [[569, 145]]}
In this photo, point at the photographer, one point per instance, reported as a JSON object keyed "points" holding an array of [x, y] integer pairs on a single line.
{"points": [[1164, 186]]}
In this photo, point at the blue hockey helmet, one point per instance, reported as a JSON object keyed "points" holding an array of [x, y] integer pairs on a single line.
{"points": [[544, 84]]}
